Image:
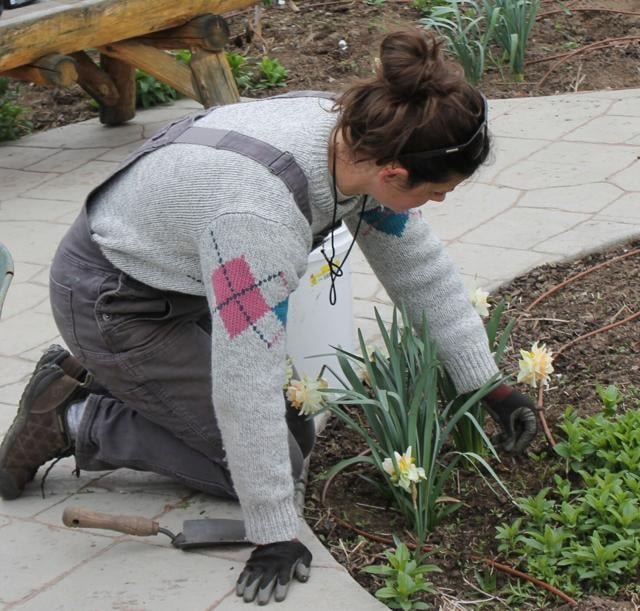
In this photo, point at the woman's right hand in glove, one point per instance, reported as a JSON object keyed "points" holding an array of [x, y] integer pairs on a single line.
{"points": [[271, 568]]}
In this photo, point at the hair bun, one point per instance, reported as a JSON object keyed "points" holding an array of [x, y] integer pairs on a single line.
{"points": [[412, 65]]}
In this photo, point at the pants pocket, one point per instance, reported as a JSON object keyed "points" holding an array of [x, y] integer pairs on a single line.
{"points": [[133, 319], [61, 298]]}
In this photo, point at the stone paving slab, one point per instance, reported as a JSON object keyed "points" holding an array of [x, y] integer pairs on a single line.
{"points": [[468, 207], [565, 179]]}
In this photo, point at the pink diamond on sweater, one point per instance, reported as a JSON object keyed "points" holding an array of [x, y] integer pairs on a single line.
{"points": [[238, 297]]}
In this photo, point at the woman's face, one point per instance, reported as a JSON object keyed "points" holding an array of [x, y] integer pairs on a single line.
{"points": [[391, 190]]}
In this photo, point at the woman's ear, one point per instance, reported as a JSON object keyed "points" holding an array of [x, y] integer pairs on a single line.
{"points": [[393, 173]]}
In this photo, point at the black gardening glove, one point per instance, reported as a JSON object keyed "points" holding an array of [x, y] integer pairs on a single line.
{"points": [[515, 414], [270, 568]]}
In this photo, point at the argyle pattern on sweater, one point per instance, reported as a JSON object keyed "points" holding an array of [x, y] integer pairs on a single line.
{"points": [[386, 221], [242, 302]]}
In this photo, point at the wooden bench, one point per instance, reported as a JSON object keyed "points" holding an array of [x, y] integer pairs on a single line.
{"points": [[47, 43]]}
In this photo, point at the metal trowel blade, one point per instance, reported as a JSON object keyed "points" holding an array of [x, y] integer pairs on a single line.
{"points": [[210, 532]]}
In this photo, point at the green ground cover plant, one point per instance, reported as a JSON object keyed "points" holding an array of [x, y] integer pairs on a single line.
{"points": [[242, 76], [152, 92], [582, 534]]}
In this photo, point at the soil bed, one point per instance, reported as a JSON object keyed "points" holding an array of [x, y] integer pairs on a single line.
{"points": [[609, 294], [306, 42]]}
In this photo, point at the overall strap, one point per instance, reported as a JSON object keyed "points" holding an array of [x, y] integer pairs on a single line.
{"points": [[165, 136], [281, 164]]}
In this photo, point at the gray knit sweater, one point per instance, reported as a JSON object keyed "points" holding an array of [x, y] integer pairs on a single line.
{"points": [[210, 222]]}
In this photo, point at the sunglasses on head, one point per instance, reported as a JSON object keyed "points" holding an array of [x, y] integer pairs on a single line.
{"points": [[477, 141]]}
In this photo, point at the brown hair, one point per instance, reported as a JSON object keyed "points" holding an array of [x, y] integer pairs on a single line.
{"points": [[417, 102]]}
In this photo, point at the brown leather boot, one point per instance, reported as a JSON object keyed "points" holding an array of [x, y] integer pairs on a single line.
{"points": [[57, 355], [38, 433]]}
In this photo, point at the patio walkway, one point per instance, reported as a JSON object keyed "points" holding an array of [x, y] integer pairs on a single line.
{"points": [[565, 180]]}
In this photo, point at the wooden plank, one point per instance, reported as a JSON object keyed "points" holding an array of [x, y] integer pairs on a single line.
{"points": [[54, 70], [163, 66], [94, 23], [124, 77], [207, 31]]}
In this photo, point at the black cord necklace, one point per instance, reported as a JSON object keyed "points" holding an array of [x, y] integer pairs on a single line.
{"points": [[335, 270]]}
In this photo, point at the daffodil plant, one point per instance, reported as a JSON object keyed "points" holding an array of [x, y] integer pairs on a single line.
{"points": [[396, 391], [468, 435]]}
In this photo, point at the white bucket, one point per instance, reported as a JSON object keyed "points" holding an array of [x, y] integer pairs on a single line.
{"points": [[313, 324]]}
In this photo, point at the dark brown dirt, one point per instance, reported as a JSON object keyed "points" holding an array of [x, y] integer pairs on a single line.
{"points": [[607, 295], [306, 43]]}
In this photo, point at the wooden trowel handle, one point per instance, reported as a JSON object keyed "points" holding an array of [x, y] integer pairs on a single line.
{"points": [[79, 517]]}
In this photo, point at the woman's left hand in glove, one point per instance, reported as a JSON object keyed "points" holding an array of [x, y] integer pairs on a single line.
{"points": [[515, 414]]}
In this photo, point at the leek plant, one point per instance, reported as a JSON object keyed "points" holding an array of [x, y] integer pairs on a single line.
{"points": [[515, 21], [468, 31]]}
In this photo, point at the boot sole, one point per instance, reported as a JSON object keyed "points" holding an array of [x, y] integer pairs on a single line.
{"points": [[9, 488]]}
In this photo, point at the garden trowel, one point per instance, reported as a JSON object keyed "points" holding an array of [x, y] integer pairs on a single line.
{"points": [[206, 532]]}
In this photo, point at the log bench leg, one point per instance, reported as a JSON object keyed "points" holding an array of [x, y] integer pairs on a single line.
{"points": [[123, 76], [213, 79]]}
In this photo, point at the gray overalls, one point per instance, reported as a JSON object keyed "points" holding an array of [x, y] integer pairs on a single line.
{"points": [[150, 350]]}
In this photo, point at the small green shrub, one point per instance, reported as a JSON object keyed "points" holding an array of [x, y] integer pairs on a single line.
{"points": [[152, 92], [12, 123], [272, 74], [405, 578], [610, 397], [242, 76]]}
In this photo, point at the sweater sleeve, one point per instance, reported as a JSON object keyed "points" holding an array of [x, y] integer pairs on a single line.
{"points": [[414, 268], [250, 266]]}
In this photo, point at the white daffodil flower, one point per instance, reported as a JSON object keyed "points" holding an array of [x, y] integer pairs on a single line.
{"points": [[306, 396], [407, 472], [535, 365], [479, 302]]}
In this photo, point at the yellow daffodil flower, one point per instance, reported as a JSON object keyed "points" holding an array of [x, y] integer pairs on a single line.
{"points": [[535, 365], [305, 395]]}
